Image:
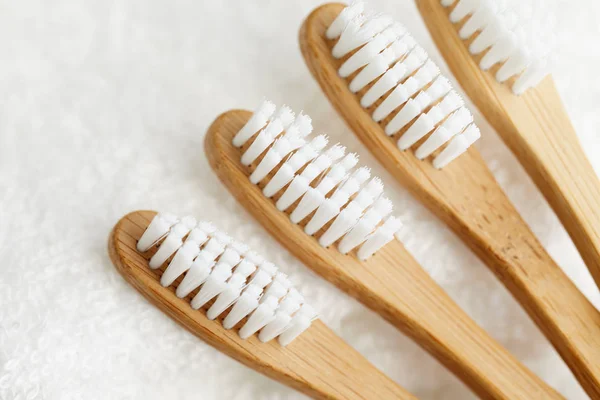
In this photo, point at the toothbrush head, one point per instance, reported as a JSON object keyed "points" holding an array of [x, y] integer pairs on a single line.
{"points": [[215, 274], [319, 188], [516, 41], [399, 85], [244, 302]]}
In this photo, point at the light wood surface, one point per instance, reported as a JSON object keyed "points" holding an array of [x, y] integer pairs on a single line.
{"points": [[537, 129], [391, 283], [466, 196], [318, 363]]}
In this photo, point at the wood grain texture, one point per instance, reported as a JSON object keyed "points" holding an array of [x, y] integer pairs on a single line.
{"points": [[318, 363], [466, 196], [537, 129], [391, 283]]}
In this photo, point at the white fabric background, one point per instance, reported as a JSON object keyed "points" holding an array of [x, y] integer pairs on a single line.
{"points": [[104, 105]]}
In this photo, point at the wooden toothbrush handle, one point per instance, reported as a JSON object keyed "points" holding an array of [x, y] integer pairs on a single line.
{"points": [[539, 132], [391, 283], [394, 285], [467, 197], [317, 363], [560, 310]]}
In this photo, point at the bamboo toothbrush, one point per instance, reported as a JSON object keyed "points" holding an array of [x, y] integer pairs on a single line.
{"points": [[222, 292], [502, 77], [339, 219], [464, 194]]}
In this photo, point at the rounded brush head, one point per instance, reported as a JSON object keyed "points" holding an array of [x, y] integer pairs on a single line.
{"points": [[400, 79], [330, 196], [228, 274], [518, 37]]}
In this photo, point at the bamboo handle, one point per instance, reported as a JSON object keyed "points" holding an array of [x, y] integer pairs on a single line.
{"points": [[537, 129], [560, 310], [318, 363], [391, 283], [404, 294], [545, 142], [466, 196]]}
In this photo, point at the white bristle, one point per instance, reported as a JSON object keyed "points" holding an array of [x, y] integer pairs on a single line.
{"points": [[255, 258], [235, 282], [181, 262], [301, 183], [402, 74], [411, 109], [421, 127], [351, 36], [335, 152], [258, 120], [359, 31], [458, 145], [245, 268], [500, 51], [328, 209], [414, 107], [380, 209], [531, 76], [201, 267], [331, 207], [245, 304], [328, 189], [389, 80], [294, 294], [264, 314], [214, 284], [286, 116], [287, 171], [464, 8], [172, 242], [207, 227], [378, 65], [302, 125], [383, 206], [511, 35], [359, 177], [227, 297], [399, 96], [315, 196], [446, 131], [261, 278], [415, 61], [481, 17], [240, 247], [348, 14], [300, 322], [514, 65], [348, 162], [230, 257], [283, 317], [427, 122], [159, 227], [280, 149], [363, 56], [352, 212], [269, 268], [278, 287], [280, 122], [222, 237], [383, 235], [426, 73], [452, 101]]}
